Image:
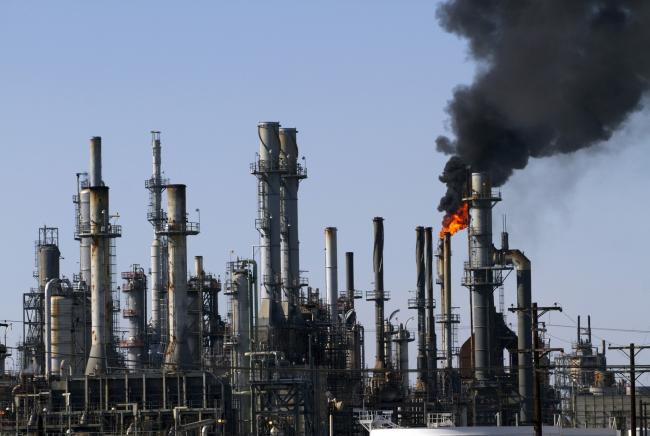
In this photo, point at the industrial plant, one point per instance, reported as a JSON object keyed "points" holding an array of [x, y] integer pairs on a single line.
{"points": [[149, 351]]}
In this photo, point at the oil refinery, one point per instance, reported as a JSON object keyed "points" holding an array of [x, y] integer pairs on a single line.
{"points": [[157, 354]]}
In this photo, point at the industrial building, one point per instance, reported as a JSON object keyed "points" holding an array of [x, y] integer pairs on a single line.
{"points": [[284, 358]]}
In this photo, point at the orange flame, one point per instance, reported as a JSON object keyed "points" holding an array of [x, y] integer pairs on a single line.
{"points": [[456, 221]]}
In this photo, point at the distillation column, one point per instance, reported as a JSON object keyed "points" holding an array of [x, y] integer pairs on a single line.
{"points": [[268, 224], [155, 185], [378, 295], [178, 355], [292, 174], [446, 300], [481, 272], [331, 273]]}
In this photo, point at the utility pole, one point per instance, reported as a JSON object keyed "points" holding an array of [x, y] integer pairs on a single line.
{"points": [[631, 351], [538, 351]]}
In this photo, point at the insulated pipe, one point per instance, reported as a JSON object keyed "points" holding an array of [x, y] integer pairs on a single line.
{"points": [[177, 355], [421, 310], [349, 277], [101, 309], [331, 269], [95, 173], [269, 223], [480, 251], [524, 330], [290, 244], [378, 268], [446, 309], [48, 337], [431, 347]]}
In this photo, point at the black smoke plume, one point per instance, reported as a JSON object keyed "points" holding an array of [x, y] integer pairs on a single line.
{"points": [[554, 76]]}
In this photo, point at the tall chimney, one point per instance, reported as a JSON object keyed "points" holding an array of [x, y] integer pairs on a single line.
{"points": [[431, 347], [178, 354], [421, 310], [101, 308], [292, 174], [349, 277], [378, 297], [331, 268], [268, 224]]}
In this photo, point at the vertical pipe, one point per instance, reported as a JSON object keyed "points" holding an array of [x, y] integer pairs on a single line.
{"points": [[480, 237], [269, 223], [101, 315], [403, 339], [349, 277], [446, 281], [155, 216], [290, 243], [432, 351], [195, 313], [95, 173], [134, 287], [378, 268], [177, 353], [421, 310], [331, 269]]}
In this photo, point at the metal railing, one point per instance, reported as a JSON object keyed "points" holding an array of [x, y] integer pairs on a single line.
{"points": [[375, 295]]}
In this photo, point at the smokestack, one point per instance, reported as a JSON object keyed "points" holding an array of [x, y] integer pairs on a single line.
{"points": [[100, 288], [331, 268], [293, 173], [480, 268], [349, 277], [421, 310], [446, 300], [524, 330], [95, 173], [431, 342], [178, 354], [378, 297], [529, 99], [268, 223]]}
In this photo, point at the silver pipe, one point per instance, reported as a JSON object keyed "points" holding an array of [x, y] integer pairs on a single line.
{"points": [[331, 270], [95, 172], [84, 242], [269, 223], [524, 330], [177, 355], [47, 337], [158, 249], [480, 250], [101, 316]]}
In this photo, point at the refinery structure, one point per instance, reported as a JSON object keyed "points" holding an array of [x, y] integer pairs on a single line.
{"points": [[149, 351]]}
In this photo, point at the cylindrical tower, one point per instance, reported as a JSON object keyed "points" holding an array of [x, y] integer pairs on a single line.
{"points": [[402, 339], [194, 311], [268, 223], [431, 347], [101, 309], [446, 301], [135, 313], [178, 355], [331, 272], [84, 242], [292, 174], [95, 172], [421, 310], [48, 263], [481, 272], [378, 295], [241, 306]]}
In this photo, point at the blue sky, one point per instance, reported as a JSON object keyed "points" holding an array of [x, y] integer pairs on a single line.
{"points": [[365, 83]]}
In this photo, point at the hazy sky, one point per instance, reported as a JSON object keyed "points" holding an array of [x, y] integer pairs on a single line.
{"points": [[365, 83]]}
